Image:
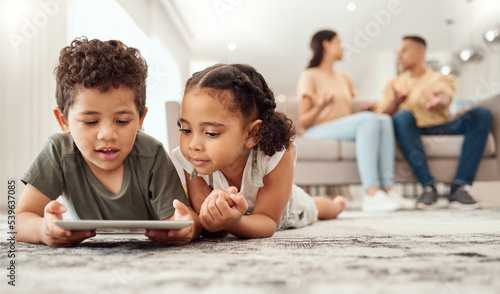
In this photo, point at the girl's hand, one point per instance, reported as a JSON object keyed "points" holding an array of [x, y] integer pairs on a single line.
{"points": [[175, 237], [56, 236], [216, 214], [231, 190]]}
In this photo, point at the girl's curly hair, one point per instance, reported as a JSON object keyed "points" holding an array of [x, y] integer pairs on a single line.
{"points": [[251, 96], [100, 64]]}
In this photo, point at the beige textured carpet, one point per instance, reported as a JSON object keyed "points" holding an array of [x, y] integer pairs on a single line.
{"points": [[445, 252]]}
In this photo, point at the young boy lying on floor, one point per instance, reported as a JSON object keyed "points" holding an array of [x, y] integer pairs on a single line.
{"points": [[102, 165]]}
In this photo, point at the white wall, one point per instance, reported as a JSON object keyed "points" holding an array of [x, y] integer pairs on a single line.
{"points": [[481, 79], [33, 34], [370, 72], [157, 23]]}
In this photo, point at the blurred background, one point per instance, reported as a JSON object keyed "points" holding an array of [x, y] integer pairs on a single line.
{"points": [[179, 37]]}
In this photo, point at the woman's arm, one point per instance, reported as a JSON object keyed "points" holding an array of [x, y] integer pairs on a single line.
{"points": [[309, 109]]}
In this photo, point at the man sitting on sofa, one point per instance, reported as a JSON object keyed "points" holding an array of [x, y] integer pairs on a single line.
{"points": [[419, 100]]}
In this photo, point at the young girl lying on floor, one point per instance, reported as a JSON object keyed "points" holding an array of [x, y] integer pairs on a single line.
{"points": [[238, 156]]}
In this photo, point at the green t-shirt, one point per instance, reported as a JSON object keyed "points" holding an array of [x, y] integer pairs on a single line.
{"points": [[150, 181]]}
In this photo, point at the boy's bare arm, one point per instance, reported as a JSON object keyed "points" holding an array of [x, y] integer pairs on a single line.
{"points": [[35, 214]]}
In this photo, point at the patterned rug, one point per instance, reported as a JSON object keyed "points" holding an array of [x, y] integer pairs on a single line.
{"points": [[403, 252]]}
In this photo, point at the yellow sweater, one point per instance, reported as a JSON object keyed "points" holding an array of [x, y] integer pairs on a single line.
{"points": [[314, 83], [419, 89]]}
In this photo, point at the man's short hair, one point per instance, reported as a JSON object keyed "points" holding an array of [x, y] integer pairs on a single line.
{"points": [[417, 39]]}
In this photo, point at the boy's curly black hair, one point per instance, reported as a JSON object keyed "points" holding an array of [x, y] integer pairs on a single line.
{"points": [[251, 96], [100, 64]]}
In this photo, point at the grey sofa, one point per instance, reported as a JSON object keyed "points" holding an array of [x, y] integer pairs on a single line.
{"points": [[330, 162], [333, 163]]}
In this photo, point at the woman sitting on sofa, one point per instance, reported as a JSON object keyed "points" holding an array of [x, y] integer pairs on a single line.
{"points": [[326, 112]]}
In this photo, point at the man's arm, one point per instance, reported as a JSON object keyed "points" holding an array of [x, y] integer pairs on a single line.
{"points": [[391, 98], [437, 102], [395, 102]]}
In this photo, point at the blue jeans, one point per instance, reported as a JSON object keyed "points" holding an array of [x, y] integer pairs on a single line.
{"points": [[375, 144], [475, 124]]}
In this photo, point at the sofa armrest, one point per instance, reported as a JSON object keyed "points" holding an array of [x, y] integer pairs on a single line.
{"points": [[493, 104], [173, 109]]}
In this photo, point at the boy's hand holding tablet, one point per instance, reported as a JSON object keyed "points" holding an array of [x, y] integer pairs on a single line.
{"points": [[53, 234]]}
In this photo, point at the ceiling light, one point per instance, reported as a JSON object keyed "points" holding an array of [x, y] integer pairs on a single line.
{"points": [[446, 70], [492, 36], [450, 69], [351, 6], [465, 54], [470, 54], [231, 46]]}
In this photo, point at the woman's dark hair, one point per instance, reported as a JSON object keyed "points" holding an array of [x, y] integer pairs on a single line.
{"points": [[100, 64], [317, 46], [242, 89]]}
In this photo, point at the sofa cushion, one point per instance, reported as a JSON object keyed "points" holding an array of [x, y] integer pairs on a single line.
{"points": [[435, 147], [449, 146], [317, 149], [347, 150]]}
